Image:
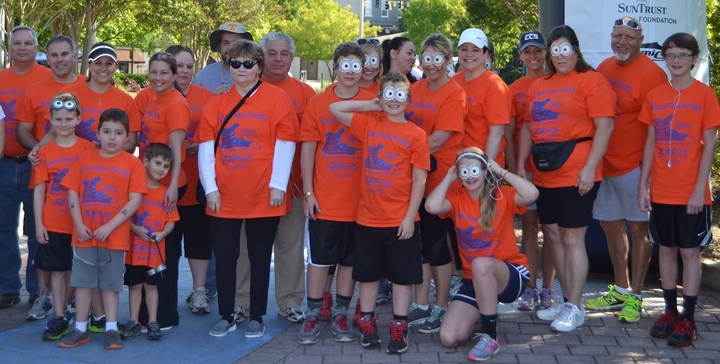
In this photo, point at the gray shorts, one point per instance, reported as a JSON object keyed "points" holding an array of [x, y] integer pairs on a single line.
{"points": [[617, 199], [98, 267]]}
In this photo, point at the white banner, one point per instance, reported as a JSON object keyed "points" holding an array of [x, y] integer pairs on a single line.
{"points": [[593, 22]]}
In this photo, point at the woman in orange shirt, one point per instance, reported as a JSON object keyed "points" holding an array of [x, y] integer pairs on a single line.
{"points": [[494, 269], [399, 56], [373, 68], [573, 104]]}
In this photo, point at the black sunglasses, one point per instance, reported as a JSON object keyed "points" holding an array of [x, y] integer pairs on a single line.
{"points": [[363, 41], [632, 24], [247, 64]]}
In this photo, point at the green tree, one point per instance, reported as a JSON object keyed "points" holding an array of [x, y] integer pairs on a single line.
{"points": [[424, 17], [320, 27]]}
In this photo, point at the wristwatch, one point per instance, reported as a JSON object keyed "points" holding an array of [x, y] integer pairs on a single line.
{"points": [[308, 194]]}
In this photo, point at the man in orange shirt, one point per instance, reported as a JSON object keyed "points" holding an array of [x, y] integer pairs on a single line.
{"points": [[632, 75], [15, 169], [289, 241]]}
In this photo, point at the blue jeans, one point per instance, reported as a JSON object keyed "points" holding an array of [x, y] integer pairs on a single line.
{"points": [[14, 189]]}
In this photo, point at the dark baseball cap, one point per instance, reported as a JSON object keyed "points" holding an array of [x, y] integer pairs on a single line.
{"points": [[532, 38]]}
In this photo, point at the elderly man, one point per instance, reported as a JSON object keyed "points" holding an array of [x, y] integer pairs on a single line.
{"points": [[216, 77], [15, 169], [632, 75], [289, 266]]}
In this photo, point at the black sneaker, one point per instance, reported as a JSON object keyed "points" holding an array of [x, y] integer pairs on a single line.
{"points": [[7, 300], [97, 326], [368, 332], [57, 330], [664, 325], [154, 333], [130, 331], [684, 334], [398, 337]]}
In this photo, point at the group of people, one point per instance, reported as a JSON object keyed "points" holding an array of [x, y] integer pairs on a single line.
{"points": [[390, 177]]}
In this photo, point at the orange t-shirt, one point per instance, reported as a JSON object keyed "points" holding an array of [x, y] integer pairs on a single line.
{"points": [[243, 163], [197, 97], [152, 215], [444, 110], [300, 94], [55, 162], [473, 241], [678, 139], [93, 104], [518, 91], [631, 84], [12, 90], [36, 104], [562, 108], [390, 151], [104, 186], [488, 103], [373, 89], [336, 176], [162, 115]]}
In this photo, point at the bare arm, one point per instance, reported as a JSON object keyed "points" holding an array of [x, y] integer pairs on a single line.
{"points": [[526, 144], [307, 169], [492, 145], [510, 157], [83, 232], [131, 142], [436, 203], [586, 177], [526, 194], [25, 135], [176, 139], [437, 139], [167, 229], [697, 198], [645, 166], [343, 111], [38, 203], [133, 204], [407, 227]]}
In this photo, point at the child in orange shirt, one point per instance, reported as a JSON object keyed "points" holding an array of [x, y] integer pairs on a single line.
{"points": [[53, 223], [150, 225], [105, 189], [396, 157], [494, 269]]}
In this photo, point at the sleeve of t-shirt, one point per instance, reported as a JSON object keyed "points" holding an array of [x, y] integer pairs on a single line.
{"points": [[287, 121], [711, 111], [645, 115], [138, 179], [420, 151], [600, 97], [310, 127], [41, 173], [174, 216], [207, 129], [451, 114], [498, 104], [24, 111], [178, 117], [452, 197], [359, 125], [509, 198], [135, 117], [74, 175]]}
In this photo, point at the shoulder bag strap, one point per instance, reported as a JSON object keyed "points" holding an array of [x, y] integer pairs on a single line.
{"points": [[234, 110]]}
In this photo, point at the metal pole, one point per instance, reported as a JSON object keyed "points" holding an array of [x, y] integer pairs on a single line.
{"points": [[362, 19], [552, 14]]}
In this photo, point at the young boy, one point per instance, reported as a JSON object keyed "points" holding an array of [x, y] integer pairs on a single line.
{"points": [[105, 189], [53, 223], [150, 225], [396, 159], [329, 160]]}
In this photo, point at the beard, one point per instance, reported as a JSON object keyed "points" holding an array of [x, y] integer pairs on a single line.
{"points": [[622, 56]]}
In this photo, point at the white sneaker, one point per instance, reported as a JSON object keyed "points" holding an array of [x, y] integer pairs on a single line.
{"points": [[569, 318], [550, 313]]}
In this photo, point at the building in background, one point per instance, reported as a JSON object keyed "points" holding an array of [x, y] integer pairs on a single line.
{"points": [[383, 13]]}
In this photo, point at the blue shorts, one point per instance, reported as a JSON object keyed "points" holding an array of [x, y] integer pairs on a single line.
{"points": [[517, 282]]}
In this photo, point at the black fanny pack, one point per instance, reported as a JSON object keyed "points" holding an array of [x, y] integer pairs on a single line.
{"points": [[551, 156]]}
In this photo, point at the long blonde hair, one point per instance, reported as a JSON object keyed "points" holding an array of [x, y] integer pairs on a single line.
{"points": [[488, 206]]}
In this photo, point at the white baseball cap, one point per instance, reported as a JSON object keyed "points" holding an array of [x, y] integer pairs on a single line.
{"points": [[473, 36]]}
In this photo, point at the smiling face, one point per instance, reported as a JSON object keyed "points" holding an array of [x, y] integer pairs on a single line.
{"points": [[185, 66], [113, 137], [434, 63], [157, 167], [471, 173], [161, 77], [61, 58], [679, 61], [533, 58], [403, 59], [102, 70], [471, 57], [563, 62], [347, 68], [64, 121], [278, 59], [371, 68], [625, 43], [394, 108], [226, 40], [23, 46]]}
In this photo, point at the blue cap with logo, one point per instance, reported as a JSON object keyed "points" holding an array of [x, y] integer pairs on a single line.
{"points": [[532, 38]]}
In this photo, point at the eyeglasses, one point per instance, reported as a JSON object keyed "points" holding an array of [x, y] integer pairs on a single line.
{"points": [[372, 61], [474, 170], [394, 93], [363, 41], [632, 24], [433, 58], [347, 66], [247, 64], [672, 57], [564, 49], [67, 105]]}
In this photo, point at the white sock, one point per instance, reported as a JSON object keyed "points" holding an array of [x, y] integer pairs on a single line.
{"points": [[111, 325], [81, 326], [424, 307], [621, 290]]}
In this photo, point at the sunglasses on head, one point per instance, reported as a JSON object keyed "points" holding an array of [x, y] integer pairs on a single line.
{"points": [[632, 24], [66, 104], [363, 41], [247, 64]]}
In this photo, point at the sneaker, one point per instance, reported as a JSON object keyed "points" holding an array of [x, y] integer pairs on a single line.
{"points": [[7, 300], [74, 338], [568, 319], [199, 301], [240, 314], [547, 298], [309, 331], [154, 333], [112, 340], [384, 292], [432, 324], [550, 313], [97, 326], [368, 331], [528, 300], [684, 334], [417, 315], [612, 300], [189, 299], [326, 307], [341, 329], [255, 329], [664, 325], [130, 331], [455, 284], [69, 315], [632, 309], [211, 294], [222, 328], [32, 298], [398, 337], [484, 349], [293, 314], [41, 308], [59, 328], [357, 315]]}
